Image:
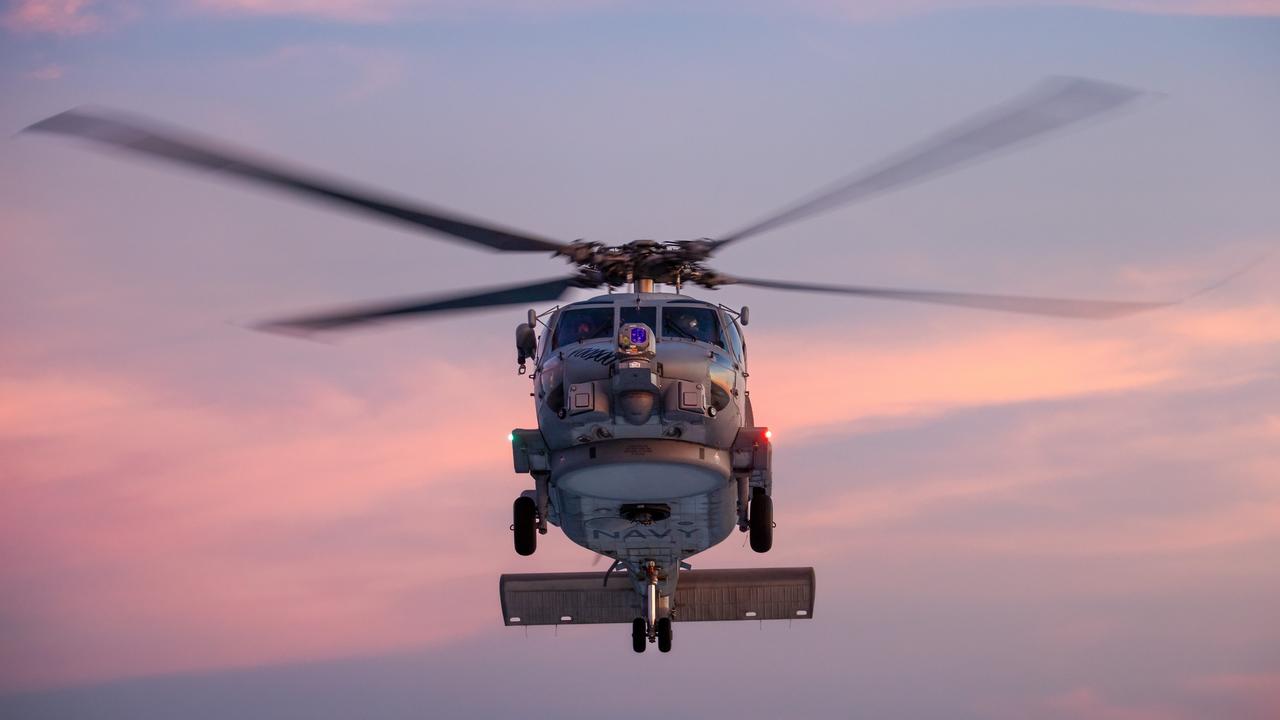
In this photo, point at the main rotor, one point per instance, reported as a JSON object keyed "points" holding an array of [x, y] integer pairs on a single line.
{"points": [[1049, 107], [643, 263]]}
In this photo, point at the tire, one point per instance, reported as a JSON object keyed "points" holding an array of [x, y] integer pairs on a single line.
{"points": [[639, 637], [761, 521], [664, 634], [524, 522]]}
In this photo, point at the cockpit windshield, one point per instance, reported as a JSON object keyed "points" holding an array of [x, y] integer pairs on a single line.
{"points": [[647, 314], [584, 324], [691, 323]]}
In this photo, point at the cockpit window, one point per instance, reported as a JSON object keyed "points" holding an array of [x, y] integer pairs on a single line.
{"points": [[735, 339], [691, 323], [584, 324], [632, 314]]}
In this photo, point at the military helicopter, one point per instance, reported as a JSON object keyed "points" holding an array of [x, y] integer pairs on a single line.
{"points": [[646, 449]]}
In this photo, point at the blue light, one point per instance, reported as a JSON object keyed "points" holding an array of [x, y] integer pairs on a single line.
{"points": [[639, 335]]}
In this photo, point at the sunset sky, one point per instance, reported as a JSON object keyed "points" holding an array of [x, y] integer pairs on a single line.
{"points": [[1010, 517]]}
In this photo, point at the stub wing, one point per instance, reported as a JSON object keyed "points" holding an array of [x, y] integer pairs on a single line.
{"points": [[701, 595]]}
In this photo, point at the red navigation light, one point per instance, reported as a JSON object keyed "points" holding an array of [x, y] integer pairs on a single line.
{"points": [[768, 434]]}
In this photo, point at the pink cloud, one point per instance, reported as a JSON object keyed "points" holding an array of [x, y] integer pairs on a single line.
{"points": [[921, 379], [1089, 704], [906, 381], [884, 511], [1254, 694], [1054, 460], [173, 534], [858, 10], [52, 71], [343, 10], [78, 17], [60, 17], [380, 11]]}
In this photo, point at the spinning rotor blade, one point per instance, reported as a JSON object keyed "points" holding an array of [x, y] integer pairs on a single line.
{"points": [[185, 149], [527, 293], [1051, 105], [1057, 307]]}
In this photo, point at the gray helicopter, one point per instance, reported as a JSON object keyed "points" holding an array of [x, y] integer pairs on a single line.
{"points": [[646, 449]]}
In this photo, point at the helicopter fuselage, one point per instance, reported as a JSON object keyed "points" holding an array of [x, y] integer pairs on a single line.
{"points": [[645, 453]]}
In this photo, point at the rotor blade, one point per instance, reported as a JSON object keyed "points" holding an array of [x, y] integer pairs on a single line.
{"points": [[186, 149], [345, 317], [1057, 307], [1051, 105]]}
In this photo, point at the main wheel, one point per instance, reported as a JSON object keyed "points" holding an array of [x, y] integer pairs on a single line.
{"points": [[761, 520], [524, 521], [639, 638], [664, 634]]}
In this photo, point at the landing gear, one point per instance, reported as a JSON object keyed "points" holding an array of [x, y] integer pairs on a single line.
{"points": [[664, 634], [524, 523], [639, 635], [761, 520], [651, 627]]}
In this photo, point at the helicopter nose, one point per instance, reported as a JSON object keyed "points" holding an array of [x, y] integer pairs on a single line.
{"points": [[636, 406]]}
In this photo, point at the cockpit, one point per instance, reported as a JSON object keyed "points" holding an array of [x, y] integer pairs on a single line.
{"points": [[594, 357], [691, 322], [679, 320], [577, 325]]}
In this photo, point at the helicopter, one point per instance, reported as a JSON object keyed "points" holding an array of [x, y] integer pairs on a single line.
{"points": [[646, 449]]}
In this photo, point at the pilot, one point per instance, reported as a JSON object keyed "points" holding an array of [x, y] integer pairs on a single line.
{"points": [[688, 322], [586, 330]]}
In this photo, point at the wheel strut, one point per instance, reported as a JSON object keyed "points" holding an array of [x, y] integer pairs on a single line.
{"points": [[651, 601]]}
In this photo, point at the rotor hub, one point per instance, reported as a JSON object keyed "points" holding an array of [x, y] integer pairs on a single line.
{"points": [[671, 263]]}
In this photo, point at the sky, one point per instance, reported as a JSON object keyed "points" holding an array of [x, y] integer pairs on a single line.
{"points": [[1009, 516]]}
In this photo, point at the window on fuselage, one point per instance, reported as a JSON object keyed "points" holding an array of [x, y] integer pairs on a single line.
{"points": [[689, 322], [633, 314], [584, 325], [735, 339]]}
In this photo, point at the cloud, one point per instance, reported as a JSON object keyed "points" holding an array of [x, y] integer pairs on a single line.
{"points": [[383, 11], [1249, 694], [59, 17], [916, 380], [1104, 482], [360, 11], [876, 379], [182, 533], [1089, 704], [859, 10], [52, 71], [1191, 7], [80, 17]]}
